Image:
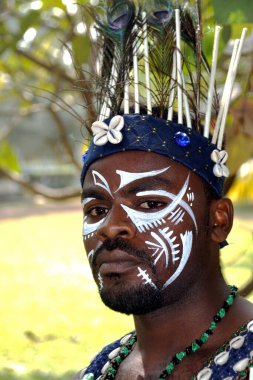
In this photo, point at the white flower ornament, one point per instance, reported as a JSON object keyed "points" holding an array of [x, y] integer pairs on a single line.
{"points": [[103, 133], [220, 157]]}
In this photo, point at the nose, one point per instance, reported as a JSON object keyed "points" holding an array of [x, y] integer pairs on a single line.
{"points": [[116, 224]]}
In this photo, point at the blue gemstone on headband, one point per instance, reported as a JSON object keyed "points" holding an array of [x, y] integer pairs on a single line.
{"points": [[182, 139], [84, 155]]}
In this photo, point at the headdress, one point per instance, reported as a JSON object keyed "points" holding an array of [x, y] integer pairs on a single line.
{"points": [[154, 82]]}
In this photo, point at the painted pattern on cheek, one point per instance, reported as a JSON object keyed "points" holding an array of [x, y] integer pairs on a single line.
{"points": [[90, 255], [186, 239], [100, 282], [159, 249], [171, 240], [145, 278], [177, 216], [89, 229]]}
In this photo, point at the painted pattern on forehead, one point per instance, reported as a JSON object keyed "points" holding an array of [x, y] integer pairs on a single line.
{"points": [[100, 181], [127, 177]]}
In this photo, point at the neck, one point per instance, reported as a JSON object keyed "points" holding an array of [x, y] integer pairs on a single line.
{"points": [[184, 319]]}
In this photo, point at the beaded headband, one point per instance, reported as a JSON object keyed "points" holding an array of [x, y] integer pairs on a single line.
{"points": [[152, 55]]}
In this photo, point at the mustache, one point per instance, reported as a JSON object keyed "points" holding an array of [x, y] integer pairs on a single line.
{"points": [[123, 245]]}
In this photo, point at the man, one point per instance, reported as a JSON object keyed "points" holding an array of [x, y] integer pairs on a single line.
{"points": [[154, 221]]}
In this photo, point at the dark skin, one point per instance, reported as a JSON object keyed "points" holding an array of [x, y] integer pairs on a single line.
{"points": [[197, 293]]}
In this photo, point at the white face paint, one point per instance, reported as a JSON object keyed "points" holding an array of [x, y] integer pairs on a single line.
{"points": [[171, 240], [85, 201], [187, 247], [144, 221], [145, 278], [127, 177], [100, 181], [164, 243], [89, 229], [177, 216], [100, 282], [190, 196], [160, 248], [90, 255]]}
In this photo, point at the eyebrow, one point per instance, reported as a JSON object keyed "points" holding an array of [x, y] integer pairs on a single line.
{"points": [[131, 189], [150, 184], [91, 192]]}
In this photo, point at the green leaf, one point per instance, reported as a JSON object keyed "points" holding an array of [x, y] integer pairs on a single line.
{"points": [[8, 158]]}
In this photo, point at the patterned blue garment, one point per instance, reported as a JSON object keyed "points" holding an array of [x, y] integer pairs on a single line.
{"points": [[233, 361]]}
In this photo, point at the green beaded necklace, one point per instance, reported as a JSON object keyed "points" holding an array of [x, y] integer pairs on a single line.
{"points": [[195, 345]]}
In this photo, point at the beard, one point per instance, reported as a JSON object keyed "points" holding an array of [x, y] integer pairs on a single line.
{"points": [[137, 300], [128, 298]]}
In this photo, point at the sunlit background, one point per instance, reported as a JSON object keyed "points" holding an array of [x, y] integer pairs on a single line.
{"points": [[52, 321]]}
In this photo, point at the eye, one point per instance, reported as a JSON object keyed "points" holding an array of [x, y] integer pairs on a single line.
{"points": [[152, 204], [97, 211]]}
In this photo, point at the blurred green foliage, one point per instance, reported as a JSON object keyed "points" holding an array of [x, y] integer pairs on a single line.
{"points": [[231, 12], [8, 158]]}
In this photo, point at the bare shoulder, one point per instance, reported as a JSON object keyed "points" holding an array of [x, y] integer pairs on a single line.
{"points": [[245, 308], [242, 312]]}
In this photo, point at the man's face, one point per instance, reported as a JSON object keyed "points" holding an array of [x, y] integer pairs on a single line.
{"points": [[145, 225]]}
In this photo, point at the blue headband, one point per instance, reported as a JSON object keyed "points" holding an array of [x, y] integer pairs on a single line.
{"points": [[152, 134]]}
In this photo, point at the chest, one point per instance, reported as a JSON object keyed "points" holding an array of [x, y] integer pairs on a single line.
{"points": [[133, 368]]}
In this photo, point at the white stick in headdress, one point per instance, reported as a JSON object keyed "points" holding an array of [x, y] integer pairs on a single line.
{"points": [[136, 77], [106, 108], [225, 93], [186, 105], [172, 87], [228, 88], [179, 68], [231, 82], [146, 61], [126, 97], [212, 81]]}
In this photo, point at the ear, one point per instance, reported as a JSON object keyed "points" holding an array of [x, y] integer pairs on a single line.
{"points": [[221, 213]]}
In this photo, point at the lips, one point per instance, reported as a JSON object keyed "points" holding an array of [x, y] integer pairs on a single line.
{"points": [[115, 261]]}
